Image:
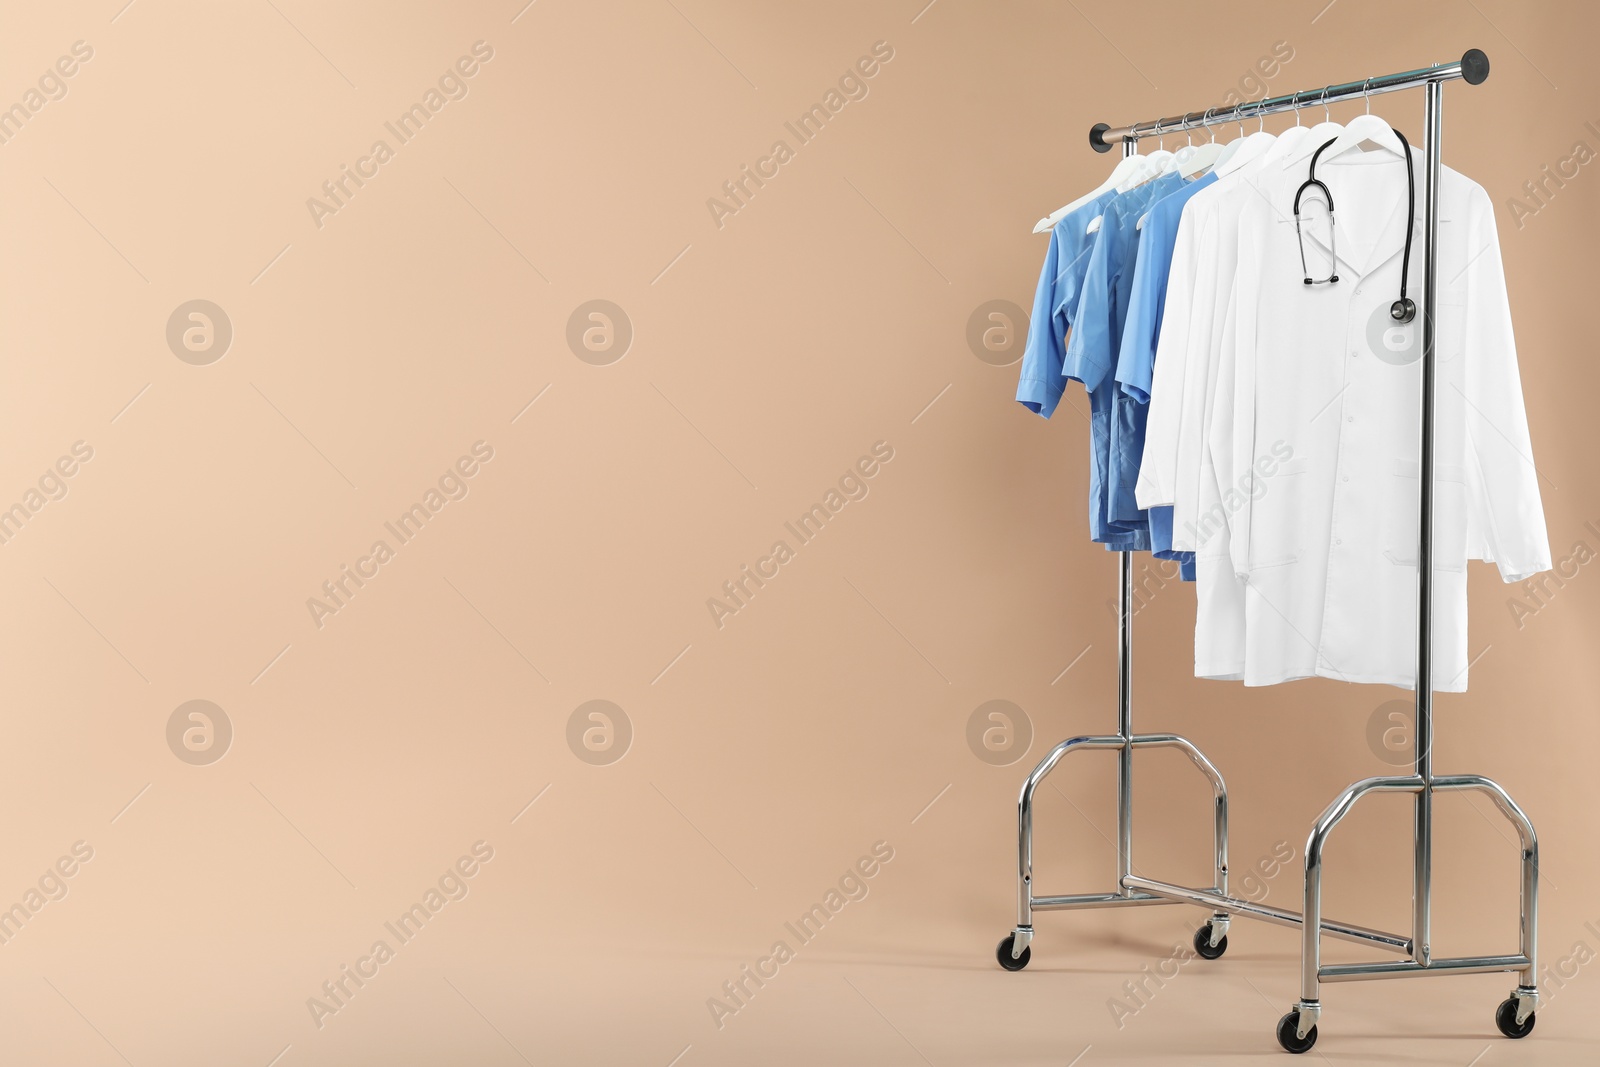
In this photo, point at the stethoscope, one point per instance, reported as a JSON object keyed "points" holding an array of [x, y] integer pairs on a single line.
{"points": [[1402, 310]]}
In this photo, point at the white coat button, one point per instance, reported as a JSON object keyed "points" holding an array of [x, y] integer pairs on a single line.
{"points": [[1346, 478], [1350, 418]]}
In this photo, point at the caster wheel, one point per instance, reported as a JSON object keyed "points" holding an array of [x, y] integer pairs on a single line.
{"points": [[1289, 1037], [1505, 1017], [1203, 946], [1003, 954]]}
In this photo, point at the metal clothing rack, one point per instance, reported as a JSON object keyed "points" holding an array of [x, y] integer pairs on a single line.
{"points": [[1297, 1030]]}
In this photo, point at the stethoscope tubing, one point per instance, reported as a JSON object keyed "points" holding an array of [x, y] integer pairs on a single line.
{"points": [[1402, 310]]}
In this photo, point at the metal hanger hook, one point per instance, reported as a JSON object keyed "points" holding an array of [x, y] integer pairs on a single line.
{"points": [[1205, 120], [1297, 109], [1366, 94], [1261, 120], [1326, 115]]}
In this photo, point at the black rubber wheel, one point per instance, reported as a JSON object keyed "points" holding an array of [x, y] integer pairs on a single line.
{"points": [[1290, 1039], [1203, 946], [1505, 1017], [1003, 954]]}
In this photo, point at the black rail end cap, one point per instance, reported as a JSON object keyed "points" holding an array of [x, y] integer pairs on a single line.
{"points": [[1475, 66], [1098, 130]]}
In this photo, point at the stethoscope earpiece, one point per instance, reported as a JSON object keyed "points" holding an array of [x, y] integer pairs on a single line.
{"points": [[1402, 310], [1312, 182]]}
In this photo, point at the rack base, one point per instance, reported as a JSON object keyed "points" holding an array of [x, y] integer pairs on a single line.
{"points": [[1297, 1029]]}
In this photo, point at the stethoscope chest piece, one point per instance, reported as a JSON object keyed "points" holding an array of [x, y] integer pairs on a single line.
{"points": [[1403, 310]]}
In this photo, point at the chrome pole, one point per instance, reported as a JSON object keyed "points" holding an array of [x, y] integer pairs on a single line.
{"points": [[1125, 724], [1125, 697], [1422, 872], [1473, 66]]}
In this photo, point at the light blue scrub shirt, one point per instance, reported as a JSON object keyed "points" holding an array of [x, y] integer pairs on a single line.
{"points": [[1135, 367], [1093, 348], [1055, 302]]}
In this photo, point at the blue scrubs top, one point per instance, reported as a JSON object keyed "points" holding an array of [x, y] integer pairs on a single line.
{"points": [[1055, 302], [1136, 362], [1094, 346]]}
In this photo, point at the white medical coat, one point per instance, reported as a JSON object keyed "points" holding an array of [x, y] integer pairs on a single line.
{"points": [[1176, 468], [1316, 413]]}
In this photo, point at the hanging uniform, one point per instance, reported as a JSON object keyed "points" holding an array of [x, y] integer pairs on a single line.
{"points": [[1092, 352], [1177, 467], [1055, 300], [1316, 412], [1158, 231]]}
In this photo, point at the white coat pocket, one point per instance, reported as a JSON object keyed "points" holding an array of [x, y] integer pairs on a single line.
{"points": [[1279, 515], [1402, 507]]}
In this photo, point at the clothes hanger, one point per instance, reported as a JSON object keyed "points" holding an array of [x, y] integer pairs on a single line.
{"points": [[1179, 159], [1155, 163], [1129, 172], [1165, 162], [1232, 146], [1147, 169], [1366, 129], [1206, 155], [1321, 133], [1288, 140], [1246, 149], [1191, 160], [1125, 166], [1183, 154]]}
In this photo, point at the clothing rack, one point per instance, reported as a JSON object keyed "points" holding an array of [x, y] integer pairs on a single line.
{"points": [[1297, 1030]]}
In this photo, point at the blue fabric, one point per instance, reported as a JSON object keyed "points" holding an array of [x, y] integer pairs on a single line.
{"points": [[1093, 348], [1040, 385], [1136, 363]]}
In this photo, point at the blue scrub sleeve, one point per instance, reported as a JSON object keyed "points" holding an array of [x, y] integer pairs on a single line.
{"points": [[1039, 385]]}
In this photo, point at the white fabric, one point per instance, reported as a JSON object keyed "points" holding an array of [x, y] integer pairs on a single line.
{"points": [[1185, 445], [1176, 467], [1315, 415]]}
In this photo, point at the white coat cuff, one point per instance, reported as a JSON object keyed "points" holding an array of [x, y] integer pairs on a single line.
{"points": [[1510, 578], [1147, 494]]}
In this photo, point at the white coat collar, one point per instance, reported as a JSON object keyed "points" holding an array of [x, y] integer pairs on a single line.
{"points": [[1389, 239]]}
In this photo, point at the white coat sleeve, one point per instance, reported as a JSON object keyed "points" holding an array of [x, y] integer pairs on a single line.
{"points": [[1200, 483], [1477, 516], [1158, 463], [1211, 285], [1498, 443]]}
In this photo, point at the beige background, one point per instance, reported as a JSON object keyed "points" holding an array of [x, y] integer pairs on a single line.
{"points": [[767, 355]]}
